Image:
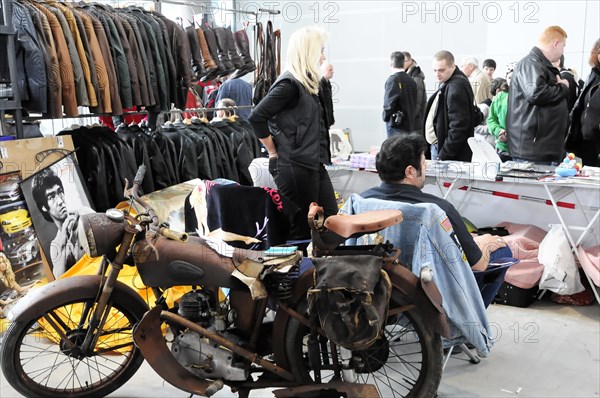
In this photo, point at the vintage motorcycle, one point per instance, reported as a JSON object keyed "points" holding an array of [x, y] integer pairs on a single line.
{"points": [[86, 336]]}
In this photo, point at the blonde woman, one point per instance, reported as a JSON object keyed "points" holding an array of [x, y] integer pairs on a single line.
{"points": [[7, 278], [289, 122]]}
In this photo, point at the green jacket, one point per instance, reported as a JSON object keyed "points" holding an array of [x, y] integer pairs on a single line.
{"points": [[497, 119]]}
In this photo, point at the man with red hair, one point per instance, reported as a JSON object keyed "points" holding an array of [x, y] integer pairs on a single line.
{"points": [[537, 117]]}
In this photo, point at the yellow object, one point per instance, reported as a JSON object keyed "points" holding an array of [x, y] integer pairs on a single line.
{"points": [[470, 226], [15, 221]]}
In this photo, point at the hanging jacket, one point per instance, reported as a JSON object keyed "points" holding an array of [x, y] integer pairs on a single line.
{"points": [[424, 238], [31, 64], [79, 46], [99, 65], [80, 85], [65, 66], [54, 85]]}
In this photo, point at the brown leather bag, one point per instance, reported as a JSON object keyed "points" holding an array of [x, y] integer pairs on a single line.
{"points": [[351, 296]]}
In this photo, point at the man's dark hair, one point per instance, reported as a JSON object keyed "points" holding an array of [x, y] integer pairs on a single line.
{"points": [[397, 153], [490, 63], [397, 59], [43, 181]]}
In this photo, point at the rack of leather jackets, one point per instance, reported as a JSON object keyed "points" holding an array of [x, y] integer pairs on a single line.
{"points": [[174, 153], [87, 54]]}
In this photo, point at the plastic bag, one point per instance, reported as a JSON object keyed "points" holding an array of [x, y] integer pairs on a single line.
{"points": [[560, 271]]}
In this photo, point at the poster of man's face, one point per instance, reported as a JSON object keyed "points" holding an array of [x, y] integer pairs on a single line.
{"points": [[56, 197]]}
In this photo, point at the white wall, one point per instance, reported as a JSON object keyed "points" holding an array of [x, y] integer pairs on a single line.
{"points": [[364, 33]]}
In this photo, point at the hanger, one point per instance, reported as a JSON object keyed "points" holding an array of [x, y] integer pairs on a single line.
{"points": [[233, 117]]}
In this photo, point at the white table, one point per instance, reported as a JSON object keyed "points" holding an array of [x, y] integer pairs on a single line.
{"points": [[487, 202]]}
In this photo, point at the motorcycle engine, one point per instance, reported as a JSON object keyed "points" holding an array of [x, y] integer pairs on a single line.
{"points": [[199, 355]]}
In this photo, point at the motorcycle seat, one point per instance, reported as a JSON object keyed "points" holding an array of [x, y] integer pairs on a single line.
{"points": [[363, 223]]}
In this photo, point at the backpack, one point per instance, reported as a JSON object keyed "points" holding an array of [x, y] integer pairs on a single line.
{"points": [[351, 296]]}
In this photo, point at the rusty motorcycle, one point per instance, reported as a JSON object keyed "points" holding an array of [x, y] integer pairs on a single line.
{"points": [[86, 336]]}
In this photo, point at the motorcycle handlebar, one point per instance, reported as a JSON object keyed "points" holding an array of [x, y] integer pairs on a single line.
{"points": [[139, 176], [134, 194], [170, 234]]}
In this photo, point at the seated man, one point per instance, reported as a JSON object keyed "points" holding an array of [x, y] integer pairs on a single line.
{"points": [[432, 234], [401, 166]]}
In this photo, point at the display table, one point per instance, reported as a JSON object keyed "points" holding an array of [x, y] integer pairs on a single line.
{"points": [[573, 203]]}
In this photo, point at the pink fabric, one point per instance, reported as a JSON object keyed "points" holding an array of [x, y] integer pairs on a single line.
{"points": [[524, 241], [525, 274], [590, 262]]}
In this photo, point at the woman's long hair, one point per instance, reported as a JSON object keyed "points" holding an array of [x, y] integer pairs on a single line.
{"points": [[303, 54]]}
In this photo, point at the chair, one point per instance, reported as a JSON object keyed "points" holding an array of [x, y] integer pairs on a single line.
{"points": [[489, 281]]}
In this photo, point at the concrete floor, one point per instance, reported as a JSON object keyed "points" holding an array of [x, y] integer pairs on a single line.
{"points": [[546, 350]]}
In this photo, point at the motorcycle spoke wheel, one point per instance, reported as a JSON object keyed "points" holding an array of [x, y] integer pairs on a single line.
{"points": [[42, 357], [407, 362]]}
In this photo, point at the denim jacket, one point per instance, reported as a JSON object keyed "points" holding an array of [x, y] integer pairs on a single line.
{"points": [[426, 239]]}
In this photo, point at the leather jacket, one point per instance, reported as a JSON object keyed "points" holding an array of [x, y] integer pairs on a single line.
{"points": [[31, 64], [537, 117]]}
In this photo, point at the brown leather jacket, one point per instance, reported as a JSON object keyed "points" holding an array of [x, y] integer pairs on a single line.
{"points": [[67, 78], [104, 100]]}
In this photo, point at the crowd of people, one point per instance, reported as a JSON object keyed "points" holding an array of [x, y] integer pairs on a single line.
{"points": [[536, 113]]}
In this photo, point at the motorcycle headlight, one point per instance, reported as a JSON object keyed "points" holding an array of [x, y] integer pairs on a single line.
{"points": [[101, 233]]}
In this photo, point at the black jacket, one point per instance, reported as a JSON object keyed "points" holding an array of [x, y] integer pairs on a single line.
{"points": [[537, 115], [326, 98], [31, 61], [296, 129], [400, 95], [584, 133], [419, 77], [453, 121]]}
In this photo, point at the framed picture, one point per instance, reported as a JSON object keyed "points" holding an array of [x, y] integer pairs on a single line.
{"points": [[56, 196], [20, 261]]}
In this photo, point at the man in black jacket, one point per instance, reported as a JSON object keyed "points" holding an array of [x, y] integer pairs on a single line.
{"points": [[326, 94], [414, 71], [450, 116], [537, 116], [400, 98]]}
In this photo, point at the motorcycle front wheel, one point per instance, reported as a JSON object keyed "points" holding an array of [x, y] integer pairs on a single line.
{"points": [[405, 362], [41, 357]]}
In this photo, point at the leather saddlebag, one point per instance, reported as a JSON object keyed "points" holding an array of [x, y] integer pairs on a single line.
{"points": [[351, 296]]}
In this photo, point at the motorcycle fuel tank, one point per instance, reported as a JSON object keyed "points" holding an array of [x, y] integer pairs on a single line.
{"points": [[164, 263]]}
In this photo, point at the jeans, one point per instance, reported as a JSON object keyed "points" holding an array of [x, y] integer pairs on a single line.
{"points": [[392, 131], [424, 242], [434, 152]]}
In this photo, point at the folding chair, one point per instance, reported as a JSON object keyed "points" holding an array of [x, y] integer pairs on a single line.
{"points": [[489, 281]]}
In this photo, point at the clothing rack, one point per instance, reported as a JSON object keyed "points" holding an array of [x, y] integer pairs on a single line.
{"points": [[225, 108], [228, 108], [211, 7]]}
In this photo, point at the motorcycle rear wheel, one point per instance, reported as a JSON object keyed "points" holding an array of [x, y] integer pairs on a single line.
{"points": [[40, 359], [407, 362]]}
